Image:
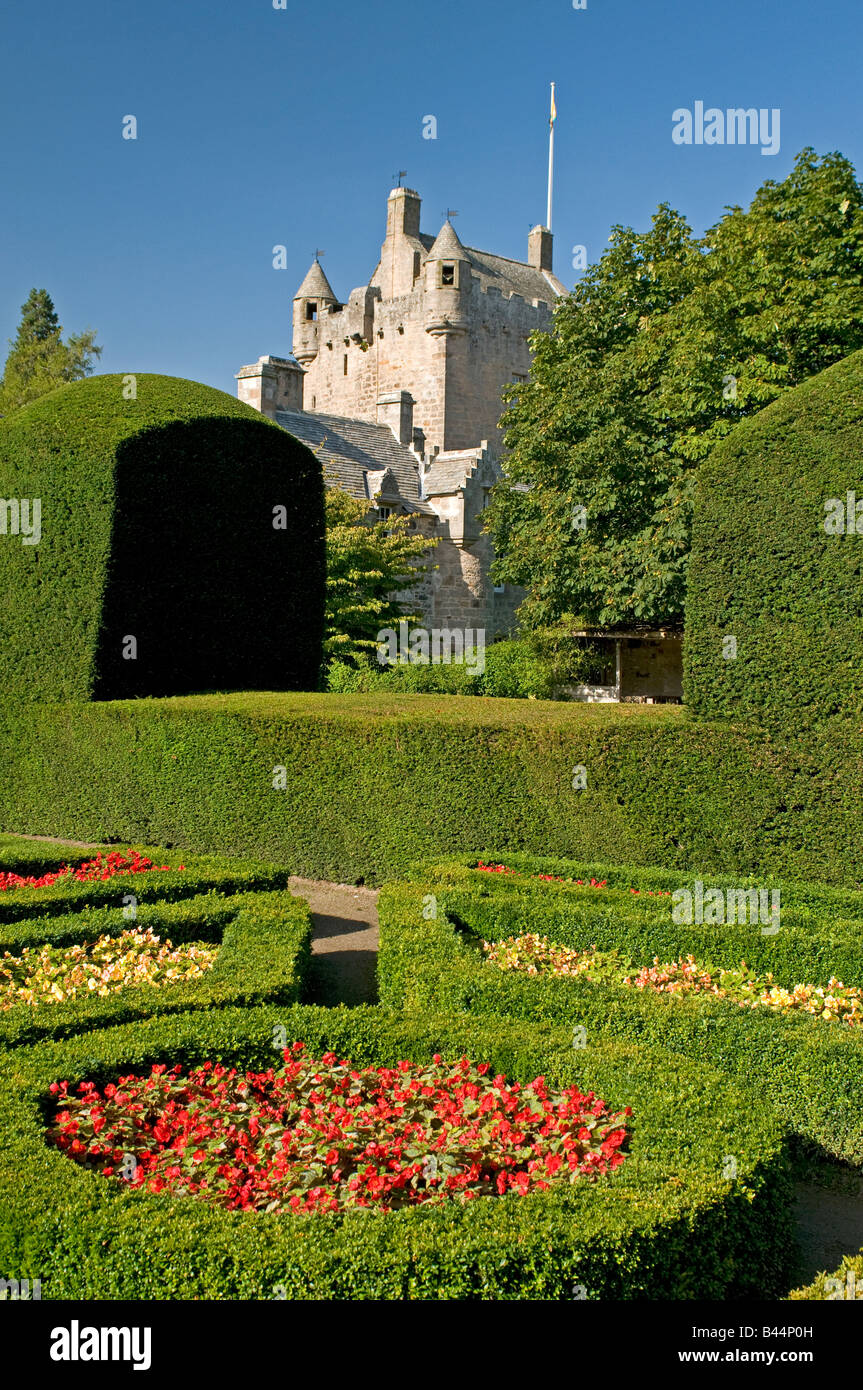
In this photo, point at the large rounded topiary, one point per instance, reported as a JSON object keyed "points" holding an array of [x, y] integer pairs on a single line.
{"points": [[773, 618], [160, 538]]}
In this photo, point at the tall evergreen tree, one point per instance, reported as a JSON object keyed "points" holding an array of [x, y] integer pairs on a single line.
{"points": [[39, 360]]}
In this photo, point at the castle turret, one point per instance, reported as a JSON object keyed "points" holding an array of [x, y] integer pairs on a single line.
{"points": [[447, 284], [313, 299]]}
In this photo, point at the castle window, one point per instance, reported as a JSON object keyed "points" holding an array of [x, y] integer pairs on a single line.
{"points": [[312, 312], [416, 266], [345, 370], [384, 513], [447, 274]]}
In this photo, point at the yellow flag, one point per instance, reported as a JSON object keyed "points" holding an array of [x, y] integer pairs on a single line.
{"points": [[553, 106]]}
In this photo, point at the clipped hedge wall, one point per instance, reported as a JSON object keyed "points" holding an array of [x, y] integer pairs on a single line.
{"points": [[765, 570], [265, 944], [811, 1071], [198, 873], [366, 785], [631, 1236], [157, 522]]}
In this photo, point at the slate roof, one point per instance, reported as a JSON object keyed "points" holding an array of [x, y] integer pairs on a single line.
{"points": [[448, 473], [447, 246], [357, 455], [316, 285], [514, 277]]}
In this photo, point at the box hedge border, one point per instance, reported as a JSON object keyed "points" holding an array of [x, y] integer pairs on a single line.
{"points": [[812, 1072], [359, 787], [265, 946], [821, 928], [666, 1225], [200, 873]]}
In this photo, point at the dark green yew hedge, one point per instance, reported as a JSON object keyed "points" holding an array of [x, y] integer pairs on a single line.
{"points": [[198, 874], [366, 785], [158, 524], [265, 943], [810, 1072], [666, 1225], [765, 571]]}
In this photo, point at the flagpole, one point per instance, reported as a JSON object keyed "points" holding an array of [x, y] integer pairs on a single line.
{"points": [[550, 157]]}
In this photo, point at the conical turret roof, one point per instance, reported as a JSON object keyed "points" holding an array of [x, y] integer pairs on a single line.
{"points": [[447, 247], [316, 285]]}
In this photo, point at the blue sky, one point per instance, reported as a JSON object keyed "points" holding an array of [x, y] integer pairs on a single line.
{"points": [[260, 126]]}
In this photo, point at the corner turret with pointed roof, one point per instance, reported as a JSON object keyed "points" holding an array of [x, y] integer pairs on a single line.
{"points": [[313, 299], [447, 245], [316, 285]]}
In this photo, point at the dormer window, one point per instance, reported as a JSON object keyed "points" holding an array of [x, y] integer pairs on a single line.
{"points": [[447, 273], [384, 513], [312, 312]]}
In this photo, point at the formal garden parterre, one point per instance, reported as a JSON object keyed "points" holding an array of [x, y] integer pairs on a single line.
{"points": [[652, 1075], [626, 1234], [433, 929]]}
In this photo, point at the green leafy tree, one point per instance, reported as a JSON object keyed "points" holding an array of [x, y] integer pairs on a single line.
{"points": [[39, 360], [663, 346], [368, 563]]}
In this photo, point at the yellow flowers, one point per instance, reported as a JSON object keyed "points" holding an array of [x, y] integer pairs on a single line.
{"points": [[56, 974], [537, 955]]}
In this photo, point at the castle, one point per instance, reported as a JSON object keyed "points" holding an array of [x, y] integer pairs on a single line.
{"points": [[399, 392]]}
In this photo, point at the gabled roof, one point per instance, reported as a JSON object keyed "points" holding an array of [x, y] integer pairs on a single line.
{"points": [[316, 285], [358, 456]]}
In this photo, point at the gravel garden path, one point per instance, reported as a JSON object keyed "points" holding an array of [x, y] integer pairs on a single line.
{"points": [[345, 941]]}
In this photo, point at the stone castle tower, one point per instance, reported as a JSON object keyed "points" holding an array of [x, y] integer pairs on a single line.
{"points": [[444, 323], [422, 352]]}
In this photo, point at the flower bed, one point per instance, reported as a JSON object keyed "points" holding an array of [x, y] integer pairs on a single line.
{"points": [[631, 1234], [34, 885], [242, 948], [54, 974], [573, 882], [809, 1070], [319, 1136], [99, 869], [535, 955]]}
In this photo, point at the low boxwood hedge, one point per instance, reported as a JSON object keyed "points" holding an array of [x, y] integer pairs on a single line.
{"points": [[810, 1071], [349, 787], [845, 1284], [265, 943], [666, 1225], [197, 874]]}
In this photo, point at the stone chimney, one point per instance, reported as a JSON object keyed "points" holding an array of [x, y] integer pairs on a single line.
{"points": [[403, 213], [402, 250], [271, 384], [540, 249], [396, 409]]}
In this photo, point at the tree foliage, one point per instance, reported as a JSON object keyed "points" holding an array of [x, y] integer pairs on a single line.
{"points": [[368, 562], [658, 352], [39, 360]]}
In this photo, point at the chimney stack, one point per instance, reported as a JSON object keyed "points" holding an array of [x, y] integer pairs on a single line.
{"points": [[396, 409], [540, 249], [271, 384]]}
